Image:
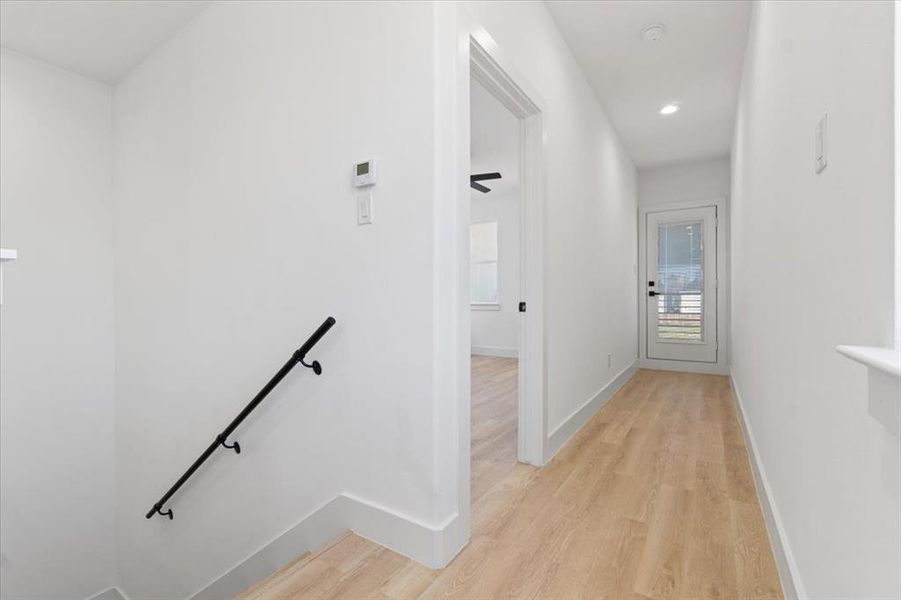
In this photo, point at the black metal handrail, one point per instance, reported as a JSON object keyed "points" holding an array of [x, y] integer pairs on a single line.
{"points": [[296, 358]]}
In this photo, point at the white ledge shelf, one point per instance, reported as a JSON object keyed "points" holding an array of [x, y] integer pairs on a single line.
{"points": [[6, 255], [883, 382], [887, 360]]}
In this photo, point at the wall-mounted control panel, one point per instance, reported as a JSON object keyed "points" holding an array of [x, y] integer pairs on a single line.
{"points": [[365, 173]]}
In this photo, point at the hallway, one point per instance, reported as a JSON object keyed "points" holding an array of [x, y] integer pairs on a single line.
{"points": [[324, 273], [653, 498]]}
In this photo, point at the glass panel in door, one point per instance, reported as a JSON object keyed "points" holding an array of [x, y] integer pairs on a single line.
{"points": [[681, 287], [680, 281]]}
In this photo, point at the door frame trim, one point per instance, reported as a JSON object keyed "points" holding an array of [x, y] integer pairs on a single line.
{"points": [[457, 31], [721, 366], [488, 66]]}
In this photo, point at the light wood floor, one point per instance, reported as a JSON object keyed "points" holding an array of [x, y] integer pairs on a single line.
{"points": [[494, 419], [653, 498]]}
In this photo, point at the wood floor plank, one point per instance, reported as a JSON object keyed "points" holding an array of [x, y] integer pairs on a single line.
{"points": [[409, 582], [739, 480], [662, 569], [348, 553], [285, 578], [369, 576], [751, 552], [457, 577], [613, 572], [493, 420], [652, 499]]}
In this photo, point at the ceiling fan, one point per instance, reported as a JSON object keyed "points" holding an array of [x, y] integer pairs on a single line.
{"points": [[474, 181]]}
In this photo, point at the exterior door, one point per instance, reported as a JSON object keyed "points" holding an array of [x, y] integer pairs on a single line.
{"points": [[681, 286]]}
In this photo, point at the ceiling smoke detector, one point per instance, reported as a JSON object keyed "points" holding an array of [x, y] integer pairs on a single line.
{"points": [[653, 33]]}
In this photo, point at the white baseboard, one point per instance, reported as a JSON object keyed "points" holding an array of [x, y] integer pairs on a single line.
{"points": [[310, 533], [574, 422], [495, 351], [112, 593], [789, 577], [431, 545], [683, 366]]}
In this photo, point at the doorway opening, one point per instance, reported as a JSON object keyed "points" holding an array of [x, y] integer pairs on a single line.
{"points": [[683, 309], [505, 253], [495, 268]]}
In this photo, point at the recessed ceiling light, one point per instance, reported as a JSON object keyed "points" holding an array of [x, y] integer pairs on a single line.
{"points": [[653, 33], [669, 109]]}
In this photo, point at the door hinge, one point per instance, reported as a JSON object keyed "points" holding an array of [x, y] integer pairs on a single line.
{"points": [[522, 307]]}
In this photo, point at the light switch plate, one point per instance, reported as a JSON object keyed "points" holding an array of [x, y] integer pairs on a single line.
{"points": [[820, 145], [364, 208]]}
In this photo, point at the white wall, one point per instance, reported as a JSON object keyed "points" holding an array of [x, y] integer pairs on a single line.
{"points": [[495, 146], [591, 213], [897, 174], [56, 348], [683, 182], [237, 235], [812, 268]]}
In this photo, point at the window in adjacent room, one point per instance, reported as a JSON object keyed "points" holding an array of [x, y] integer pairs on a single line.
{"points": [[483, 267]]}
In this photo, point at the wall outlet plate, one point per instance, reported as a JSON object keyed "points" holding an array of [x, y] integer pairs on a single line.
{"points": [[820, 159]]}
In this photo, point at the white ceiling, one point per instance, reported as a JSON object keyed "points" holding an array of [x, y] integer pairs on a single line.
{"points": [[101, 39], [494, 143], [697, 63]]}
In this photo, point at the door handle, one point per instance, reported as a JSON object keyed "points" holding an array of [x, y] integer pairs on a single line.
{"points": [[652, 293]]}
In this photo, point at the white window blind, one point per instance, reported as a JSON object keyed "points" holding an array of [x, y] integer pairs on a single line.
{"points": [[680, 281], [483, 268]]}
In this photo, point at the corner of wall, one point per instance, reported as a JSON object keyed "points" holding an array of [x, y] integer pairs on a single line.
{"points": [[113, 593], [557, 438], [433, 545]]}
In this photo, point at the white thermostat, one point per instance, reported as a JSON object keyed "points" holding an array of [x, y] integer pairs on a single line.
{"points": [[364, 173]]}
